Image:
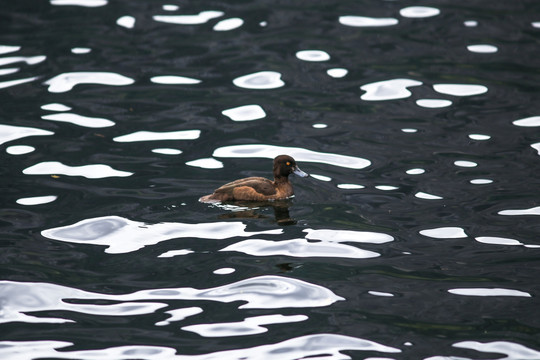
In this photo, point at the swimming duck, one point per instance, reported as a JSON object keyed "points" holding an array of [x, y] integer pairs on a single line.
{"points": [[259, 188]]}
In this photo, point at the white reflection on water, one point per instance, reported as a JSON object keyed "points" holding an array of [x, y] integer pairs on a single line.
{"points": [[8, 71], [66, 81], [179, 315], [470, 23], [37, 200], [379, 293], [224, 271], [18, 299], [80, 50], [320, 177], [250, 326], [313, 55], [6, 49], [6, 84], [350, 186], [206, 163], [532, 121], [29, 60], [481, 181], [55, 107], [337, 73], [200, 18], [409, 130], [497, 240], [94, 171], [488, 292], [460, 89], [20, 149], [228, 24], [415, 171], [388, 89], [419, 12], [445, 233], [153, 136], [245, 113], [299, 154], [319, 126], [510, 349], [85, 121], [363, 21], [262, 292], [121, 235], [174, 80], [465, 163], [315, 346], [479, 137], [126, 21], [84, 3], [348, 236], [299, 248], [531, 211], [260, 80], [386, 187], [433, 103], [427, 196], [167, 151], [328, 244], [173, 253], [482, 49], [10, 133], [169, 7], [536, 147]]}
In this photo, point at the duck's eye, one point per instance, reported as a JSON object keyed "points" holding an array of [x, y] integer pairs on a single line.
{"points": [[288, 163]]}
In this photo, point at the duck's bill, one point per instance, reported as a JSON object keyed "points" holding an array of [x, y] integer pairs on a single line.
{"points": [[299, 172]]}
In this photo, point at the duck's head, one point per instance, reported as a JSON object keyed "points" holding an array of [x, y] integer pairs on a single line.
{"points": [[284, 165]]}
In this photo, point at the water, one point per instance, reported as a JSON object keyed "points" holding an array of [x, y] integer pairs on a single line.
{"points": [[416, 237]]}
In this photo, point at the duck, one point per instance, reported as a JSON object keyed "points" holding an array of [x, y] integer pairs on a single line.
{"points": [[260, 188]]}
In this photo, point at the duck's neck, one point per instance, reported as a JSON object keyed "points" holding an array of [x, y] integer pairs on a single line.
{"points": [[281, 179]]}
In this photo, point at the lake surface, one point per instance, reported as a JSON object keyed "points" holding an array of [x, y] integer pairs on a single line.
{"points": [[417, 235]]}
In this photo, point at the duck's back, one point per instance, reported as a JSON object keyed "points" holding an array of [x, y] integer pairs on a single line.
{"points": [[251, 188]]}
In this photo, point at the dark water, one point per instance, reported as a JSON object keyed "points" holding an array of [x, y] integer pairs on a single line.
{"points": [[417, 237]]}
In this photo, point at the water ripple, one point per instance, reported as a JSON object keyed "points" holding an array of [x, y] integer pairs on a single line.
{"points": [[93, 171], [419, 12], [313, 55], [364, 21], [17, 299], [249, 326], [299, 248], [444, 233], [201, 18], [300, 154], [10, 132], [245, 113], [488, 292], [66, 81], [388, 89], [85, 121], [83, 3], [228, 24], [153, 136], [260, 80], [121, 235], [510, 349], [327, 346], [460, 89]]}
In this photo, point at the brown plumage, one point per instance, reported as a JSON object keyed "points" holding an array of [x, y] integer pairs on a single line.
{"points": [[259, 188]]}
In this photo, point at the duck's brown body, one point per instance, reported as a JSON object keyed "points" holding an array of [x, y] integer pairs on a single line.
{"points": [[259, 188]]}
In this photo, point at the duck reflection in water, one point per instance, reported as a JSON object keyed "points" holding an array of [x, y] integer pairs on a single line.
{"points": [[254, 192]]}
